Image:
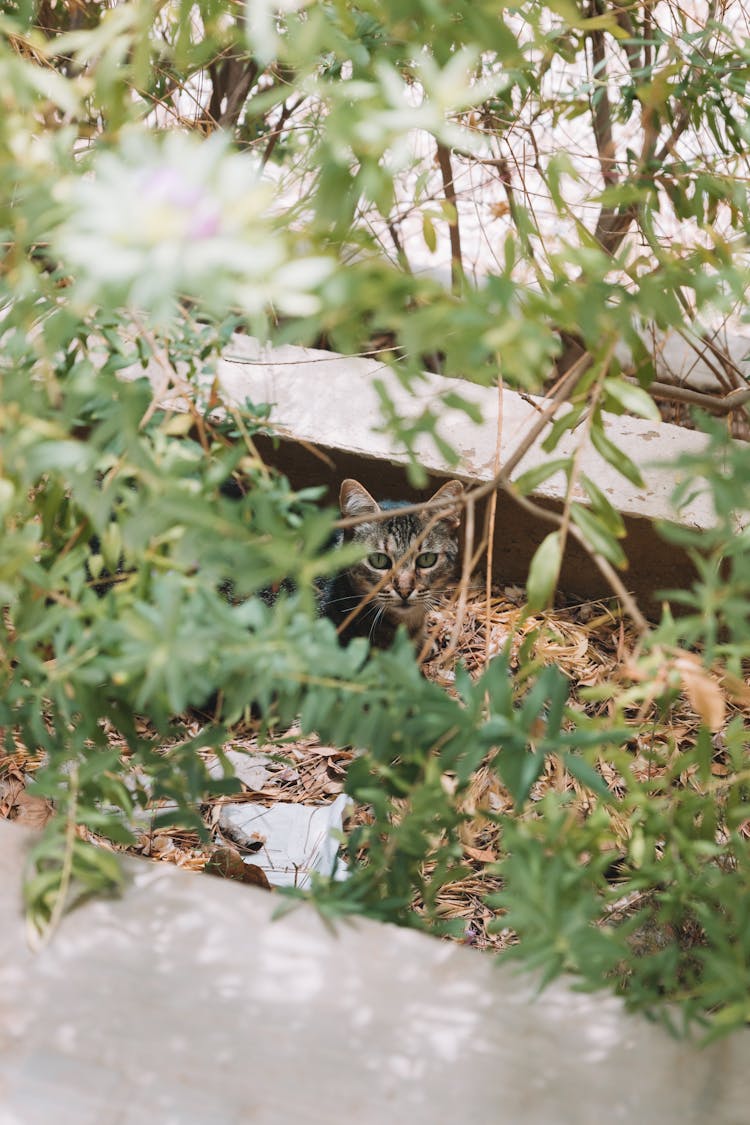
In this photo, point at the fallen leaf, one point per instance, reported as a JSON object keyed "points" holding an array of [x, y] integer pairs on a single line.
{"points": [[705, 695], [228, 864], [288, 774], [34, 812], [481, 855]]}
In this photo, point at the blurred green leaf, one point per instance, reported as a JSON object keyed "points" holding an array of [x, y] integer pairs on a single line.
{"points": [[615, 456], [630, 397], [531, 480], [598, 535], [544, 572]]}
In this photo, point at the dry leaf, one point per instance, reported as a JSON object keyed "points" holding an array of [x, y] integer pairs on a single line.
{"points": [[162, 846], [705, 695], [481, 855], [737, 688], [34, 812], [228, 864], [287, 773], [256, 876]]}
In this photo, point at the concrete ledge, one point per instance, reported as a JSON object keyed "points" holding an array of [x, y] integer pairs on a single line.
{"points": [[331, 401], [326, 409], [183, 1003]]}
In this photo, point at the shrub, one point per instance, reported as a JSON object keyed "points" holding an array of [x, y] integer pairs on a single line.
{"points": [[172, 173]]}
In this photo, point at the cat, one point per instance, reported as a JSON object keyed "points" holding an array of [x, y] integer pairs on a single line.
{"points": [[416, 554], [412, 557]]}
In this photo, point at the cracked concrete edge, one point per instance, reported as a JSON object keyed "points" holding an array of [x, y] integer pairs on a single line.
{"points": [[327, 418], [185, 1001], [330, 400]]}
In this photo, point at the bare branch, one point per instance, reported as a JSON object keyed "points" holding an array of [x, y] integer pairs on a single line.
{"points": [[715, 404], [232, 78], [449, 187]]}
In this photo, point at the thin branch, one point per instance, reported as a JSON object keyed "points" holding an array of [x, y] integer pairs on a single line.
{"points": [[622, 16], [491, 513], [287, 110], [601, 118], [449, 188], [401, 256], [715, 404], [724, 367], [467, 569]]}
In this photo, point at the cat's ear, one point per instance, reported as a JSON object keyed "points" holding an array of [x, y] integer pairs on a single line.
{"points": [[355, 500], [449, 493]]}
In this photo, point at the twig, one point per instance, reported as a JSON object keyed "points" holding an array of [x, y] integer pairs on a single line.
{"points": [[287, 110], [490, 526], [467, 568], [565, 385], [401, 257], [449, 187], [715, 404]]}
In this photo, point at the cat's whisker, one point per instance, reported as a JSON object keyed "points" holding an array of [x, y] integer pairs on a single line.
{"points": [[376, 622], [350, 599]]}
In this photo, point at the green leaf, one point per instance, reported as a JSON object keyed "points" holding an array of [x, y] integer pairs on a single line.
{"points": [[458, 402], [614, 456], [429, 233], [568, 420], [586, 774], [530, 480], [602, 506], [599, 537], [544, 572], [560, 165], [631, 398], [520, 769]]}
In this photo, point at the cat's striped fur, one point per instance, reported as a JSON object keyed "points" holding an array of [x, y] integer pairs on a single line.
{"points": [[410, 559]]}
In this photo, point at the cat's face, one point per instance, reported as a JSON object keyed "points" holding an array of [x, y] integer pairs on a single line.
{"points": [[414, 561]]}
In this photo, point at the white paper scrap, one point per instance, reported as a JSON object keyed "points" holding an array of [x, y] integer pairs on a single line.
{"points": [[296, 839]]}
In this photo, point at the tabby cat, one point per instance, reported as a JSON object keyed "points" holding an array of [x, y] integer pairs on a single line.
{"points": [[410, 560]]}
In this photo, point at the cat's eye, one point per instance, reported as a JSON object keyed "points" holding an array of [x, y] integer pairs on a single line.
{"points": [[426, 560], [379, 561]]}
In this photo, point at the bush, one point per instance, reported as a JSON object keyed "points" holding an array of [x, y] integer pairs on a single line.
{"points": [[199, 171]]}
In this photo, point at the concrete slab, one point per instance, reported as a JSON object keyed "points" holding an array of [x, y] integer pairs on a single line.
{"points": [[183, 1003], [326, 409], [331, 400]]}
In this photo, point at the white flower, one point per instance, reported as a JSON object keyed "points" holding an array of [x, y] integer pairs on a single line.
{"points": [[172, 215]]}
